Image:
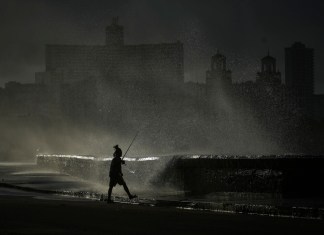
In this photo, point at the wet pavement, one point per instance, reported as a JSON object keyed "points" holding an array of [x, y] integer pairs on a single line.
{"points": [[28, 179]]}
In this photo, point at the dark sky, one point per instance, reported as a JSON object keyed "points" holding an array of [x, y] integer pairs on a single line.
{"points": [[243, 30]]}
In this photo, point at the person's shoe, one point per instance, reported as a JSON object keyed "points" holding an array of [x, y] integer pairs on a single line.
{"points": [[132, 196], [110, 201]]}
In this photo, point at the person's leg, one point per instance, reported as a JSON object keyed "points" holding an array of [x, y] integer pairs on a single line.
{"points": [[126, 189], [121, 181], [109, 192], [131, 196], [111, 185]]}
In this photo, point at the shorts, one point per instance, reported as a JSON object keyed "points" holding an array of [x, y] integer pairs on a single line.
{"points": [[116, 180]]}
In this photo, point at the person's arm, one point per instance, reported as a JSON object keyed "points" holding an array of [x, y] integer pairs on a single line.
{"points": [[121, 154]]}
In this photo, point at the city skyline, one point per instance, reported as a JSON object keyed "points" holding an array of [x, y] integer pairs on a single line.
{"points": [[196, 31], [143, 85]]}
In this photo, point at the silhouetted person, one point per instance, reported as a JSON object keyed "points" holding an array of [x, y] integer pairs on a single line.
{"points": [[116, 175]]}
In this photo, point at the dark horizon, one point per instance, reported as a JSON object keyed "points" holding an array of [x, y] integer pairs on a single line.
{"points": [[247, 28]]}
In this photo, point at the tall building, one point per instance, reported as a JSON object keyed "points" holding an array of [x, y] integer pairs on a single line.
{"points": [[300, 69], [269, 75], [114, 62], [119, 74]]}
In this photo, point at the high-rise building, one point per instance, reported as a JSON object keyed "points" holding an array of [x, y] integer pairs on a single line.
{"points": [[300, 69], [152, 64], [142, 72]]}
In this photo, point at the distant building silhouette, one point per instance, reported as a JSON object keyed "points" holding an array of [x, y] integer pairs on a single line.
{"points": [[115, 34], [115, 62], [269, 74], [121, 87], [300, 69], [299, 63], [218, 81], [218, 74], [138, 73]]}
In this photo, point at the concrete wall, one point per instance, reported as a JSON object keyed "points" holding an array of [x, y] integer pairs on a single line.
{"points": [[289, 176]]}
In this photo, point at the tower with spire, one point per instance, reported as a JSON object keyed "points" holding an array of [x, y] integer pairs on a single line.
{"points": [[115, 34], [218, 80], [269, 75]]}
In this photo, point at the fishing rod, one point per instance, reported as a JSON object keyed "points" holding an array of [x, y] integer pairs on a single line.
{"points": [[130, 145], [130, 171]]}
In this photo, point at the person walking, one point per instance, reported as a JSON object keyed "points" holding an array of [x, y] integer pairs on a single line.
{"points": [[116, 175]]}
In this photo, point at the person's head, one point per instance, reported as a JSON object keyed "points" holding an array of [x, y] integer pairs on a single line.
{"points": [[116, 146]]}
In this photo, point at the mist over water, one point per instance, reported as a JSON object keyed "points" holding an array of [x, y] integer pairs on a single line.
{"points": [[170, 130]]}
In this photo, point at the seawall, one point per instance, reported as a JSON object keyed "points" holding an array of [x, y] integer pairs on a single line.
{"points": [[287, 176]]}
